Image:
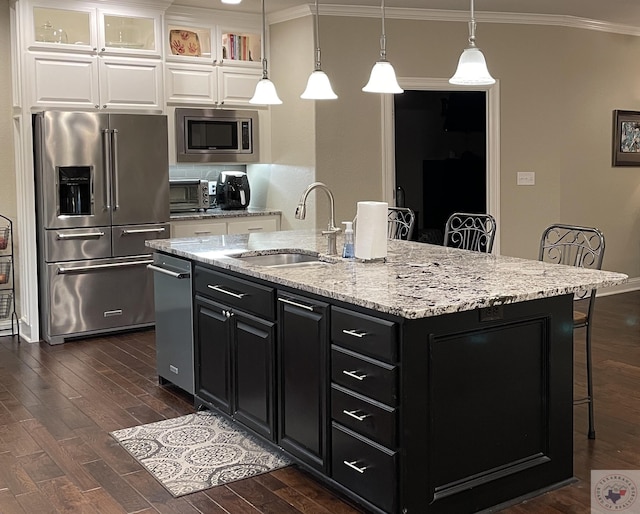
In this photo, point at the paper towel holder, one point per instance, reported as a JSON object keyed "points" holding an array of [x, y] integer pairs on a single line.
{"points": [[359, 259]]}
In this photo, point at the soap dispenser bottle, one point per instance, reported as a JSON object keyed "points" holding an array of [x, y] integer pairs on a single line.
{"points": [[348, 250]]}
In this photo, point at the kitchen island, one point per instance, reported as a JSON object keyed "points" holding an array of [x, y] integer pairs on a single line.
{"points": [[438, 381]]}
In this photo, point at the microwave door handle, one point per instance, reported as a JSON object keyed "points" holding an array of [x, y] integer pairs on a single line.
{"points": [[114, 168], [106, 154]]}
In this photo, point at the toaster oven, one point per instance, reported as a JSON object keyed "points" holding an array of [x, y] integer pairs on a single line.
{"points": [[189, 195]]}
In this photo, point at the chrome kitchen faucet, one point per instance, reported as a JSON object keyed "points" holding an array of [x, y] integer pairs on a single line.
{"points": [[332, 231]]}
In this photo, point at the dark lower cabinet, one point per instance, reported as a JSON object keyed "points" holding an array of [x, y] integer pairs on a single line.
{"points": [[303, 378], [235, 366], [253, 373], [446, 414], [212, 354], [364, 467]]}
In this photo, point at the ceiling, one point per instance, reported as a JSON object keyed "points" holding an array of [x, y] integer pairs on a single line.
{"points": [[624, 12]]}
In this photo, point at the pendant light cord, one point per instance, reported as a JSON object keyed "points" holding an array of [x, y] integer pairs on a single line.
{"points": [[317, 37], [472, 28], [265, 74], [383, 38]]}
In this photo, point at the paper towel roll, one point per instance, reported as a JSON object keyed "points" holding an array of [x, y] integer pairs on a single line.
{"points": [[371, 230]]}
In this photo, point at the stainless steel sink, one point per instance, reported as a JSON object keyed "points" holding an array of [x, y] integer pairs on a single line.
{"points": [[282, 259]]}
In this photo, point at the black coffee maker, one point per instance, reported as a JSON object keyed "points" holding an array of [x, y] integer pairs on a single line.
{"points": [[232, 190]]}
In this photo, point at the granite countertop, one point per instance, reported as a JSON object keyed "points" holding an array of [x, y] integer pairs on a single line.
{"points": [[417, 280], [219, 213]]}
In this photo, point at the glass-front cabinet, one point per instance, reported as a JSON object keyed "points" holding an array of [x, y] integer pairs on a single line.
{"points": [[73, 27], [88, 56], [212, 61]]}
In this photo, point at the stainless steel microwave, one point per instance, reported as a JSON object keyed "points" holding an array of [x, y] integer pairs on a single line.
{"points": [[216, 135], [189, 195]]}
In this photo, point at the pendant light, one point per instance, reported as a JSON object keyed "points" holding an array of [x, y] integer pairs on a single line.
{"points": [[318, 85], [383, 77], [472, 67], [265, 93]]}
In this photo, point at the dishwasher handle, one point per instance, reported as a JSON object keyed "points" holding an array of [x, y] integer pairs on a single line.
{"points": [[165, 271]]}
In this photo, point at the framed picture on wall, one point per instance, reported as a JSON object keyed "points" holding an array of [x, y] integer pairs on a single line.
{"points": [[626, 138]]}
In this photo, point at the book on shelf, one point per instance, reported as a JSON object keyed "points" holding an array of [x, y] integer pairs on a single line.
{"points": [[236, 47]]}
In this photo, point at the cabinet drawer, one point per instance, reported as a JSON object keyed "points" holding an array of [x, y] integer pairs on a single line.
{"points": [[371, 419], [252, 225], [365, 334], [188, 228], [364, 467], [236, 292], [364, 375]]}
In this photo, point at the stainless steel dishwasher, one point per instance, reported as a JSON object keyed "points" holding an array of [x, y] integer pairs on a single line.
{"points": [[174, 320]]}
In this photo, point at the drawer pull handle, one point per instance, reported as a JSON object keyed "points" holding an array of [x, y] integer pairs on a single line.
{"points": [[296, 304], [352, 465], [354, 414], [354, 374], [355, 333], [224, 291], [84, 235]]}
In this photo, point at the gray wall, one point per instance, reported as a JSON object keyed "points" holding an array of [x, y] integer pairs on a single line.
{"points": [[558, 89]]}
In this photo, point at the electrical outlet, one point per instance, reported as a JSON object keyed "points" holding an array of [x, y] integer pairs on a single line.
{"points": [[526, 178]]}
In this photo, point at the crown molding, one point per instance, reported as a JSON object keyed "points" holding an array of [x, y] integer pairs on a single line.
{"points": [[183, 13], [457, 16]]}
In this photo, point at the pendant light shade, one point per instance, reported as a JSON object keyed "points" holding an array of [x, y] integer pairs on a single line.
{"points": [[318, 85], [472, 68], [383, 76], [265, 93], [383, 79]]}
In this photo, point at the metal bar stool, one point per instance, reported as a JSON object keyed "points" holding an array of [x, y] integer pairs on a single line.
{"points": [[401, 221], [470, 231], [582, 247]]}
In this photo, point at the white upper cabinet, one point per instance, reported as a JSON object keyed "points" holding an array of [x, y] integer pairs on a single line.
{"points": [[89, 57], [77, 27], [212, 57]]}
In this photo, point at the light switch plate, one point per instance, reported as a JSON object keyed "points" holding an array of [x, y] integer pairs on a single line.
{"points": [[526, 178]]}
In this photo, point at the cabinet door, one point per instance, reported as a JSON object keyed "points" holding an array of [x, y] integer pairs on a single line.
{"points": [[63, 80], [130, 83], [237, 85], [191, 84], [69, 28], [302, 374], [130, 31], [213, 351], [254, 373]]}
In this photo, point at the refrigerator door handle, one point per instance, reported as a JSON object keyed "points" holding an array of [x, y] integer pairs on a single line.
{"points": [[142, 230], [106, 154], [114, 168], [82, 269]]}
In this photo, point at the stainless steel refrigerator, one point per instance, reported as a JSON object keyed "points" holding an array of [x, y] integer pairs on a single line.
{"points": [[102, 186]]}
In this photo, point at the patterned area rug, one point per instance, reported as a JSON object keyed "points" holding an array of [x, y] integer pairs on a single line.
{"points": [[198, 451]]}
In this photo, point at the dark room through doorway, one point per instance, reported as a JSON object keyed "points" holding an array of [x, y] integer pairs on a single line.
{"points": [[440, 156]]}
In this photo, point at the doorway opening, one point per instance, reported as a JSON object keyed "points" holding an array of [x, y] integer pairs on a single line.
{"points": [[442, 152], [440, 156]]}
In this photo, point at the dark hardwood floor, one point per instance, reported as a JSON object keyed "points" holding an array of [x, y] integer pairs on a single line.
{"points": [[59, 403]]}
